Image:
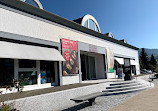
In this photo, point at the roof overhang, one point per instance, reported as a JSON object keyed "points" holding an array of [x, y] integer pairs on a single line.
{"points": [[120, 60], [22, 51], [133, 62]]}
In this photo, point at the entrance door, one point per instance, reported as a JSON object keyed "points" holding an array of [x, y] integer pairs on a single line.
{"points": [[92, 72], [83, 67], [88, 67]]}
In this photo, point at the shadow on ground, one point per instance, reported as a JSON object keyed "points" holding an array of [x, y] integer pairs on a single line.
{"points": [[77, 107]]}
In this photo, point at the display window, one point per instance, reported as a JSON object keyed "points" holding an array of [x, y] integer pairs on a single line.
{"points": [[6, 72], [27, 72], [27, 63], [28, 78], [47, 72]]}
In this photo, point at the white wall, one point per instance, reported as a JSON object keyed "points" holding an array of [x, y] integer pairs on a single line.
{"points": [[70, 79], [111, 75], [16, 23]]}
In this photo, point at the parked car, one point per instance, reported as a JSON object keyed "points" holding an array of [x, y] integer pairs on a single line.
{"points": [[149, 71], [144, 71]]}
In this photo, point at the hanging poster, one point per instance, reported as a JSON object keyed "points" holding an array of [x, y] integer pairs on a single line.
{"points": [[110, 60], [70, 54]]}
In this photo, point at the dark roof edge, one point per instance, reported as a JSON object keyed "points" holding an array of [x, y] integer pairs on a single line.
{"points": [[16, 4]]}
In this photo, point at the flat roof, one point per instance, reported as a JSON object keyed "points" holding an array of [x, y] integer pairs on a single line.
{"points": [[24, 7]]}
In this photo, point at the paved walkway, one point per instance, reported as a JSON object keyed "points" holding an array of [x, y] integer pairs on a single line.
{"points": [[144, 101]]}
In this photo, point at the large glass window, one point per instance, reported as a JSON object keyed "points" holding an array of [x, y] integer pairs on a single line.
{"points": [[32, 2], [28, 78], [86, 23], [91, 24], [28, 72], [47, 72], [27, 64], [6, 71], [96, 28]]}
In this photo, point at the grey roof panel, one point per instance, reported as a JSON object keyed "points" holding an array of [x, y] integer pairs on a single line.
{"points": [[79, 20]]}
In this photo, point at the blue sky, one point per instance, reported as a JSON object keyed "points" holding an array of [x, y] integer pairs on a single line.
{"points": [[134, 20]]}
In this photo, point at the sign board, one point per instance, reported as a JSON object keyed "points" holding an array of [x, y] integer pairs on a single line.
{"points": [[93, 48], [70, 54], [110, 60]]}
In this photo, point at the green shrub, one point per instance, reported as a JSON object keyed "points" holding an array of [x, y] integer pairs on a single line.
{"points": [[6, 107]]}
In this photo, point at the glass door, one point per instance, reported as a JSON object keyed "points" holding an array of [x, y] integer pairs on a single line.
{"points": [[47, 72], [92, 72]]}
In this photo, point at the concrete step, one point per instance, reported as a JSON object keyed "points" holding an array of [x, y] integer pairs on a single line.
{"points": [[125, 91], [124, 85], [125, 88]]}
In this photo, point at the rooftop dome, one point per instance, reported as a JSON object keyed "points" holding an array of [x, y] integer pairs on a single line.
{"points": [[35, 3], [88, 21]]}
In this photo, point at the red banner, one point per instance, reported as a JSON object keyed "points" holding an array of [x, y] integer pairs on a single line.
{"points": [[69, 44], [70, 54]]}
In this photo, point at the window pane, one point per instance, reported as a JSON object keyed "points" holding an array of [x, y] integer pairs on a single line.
{"points": [[28, 78], [47, 72], [6, 71], [91, 24], [86, 24], [96, 28], [27, 64], [32, 2]]}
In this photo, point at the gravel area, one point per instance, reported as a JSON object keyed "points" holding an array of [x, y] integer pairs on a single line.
{"points": [[105, 103], [108, 102]]}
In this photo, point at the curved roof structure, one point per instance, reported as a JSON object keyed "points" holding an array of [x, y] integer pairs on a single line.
{"points": [[89, 21], [35, 3]]}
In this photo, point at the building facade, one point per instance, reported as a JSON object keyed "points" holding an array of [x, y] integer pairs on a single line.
{"points": [[44, 50]]}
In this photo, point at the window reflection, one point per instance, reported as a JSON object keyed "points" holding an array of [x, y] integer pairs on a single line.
{"points": [[28, 78], [27, 63], [86, 24], [91, 24], [96, 28], [47, 72], [32, 2]]}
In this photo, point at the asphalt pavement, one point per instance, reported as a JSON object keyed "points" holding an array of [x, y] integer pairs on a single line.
{"points": [[144, 101]]}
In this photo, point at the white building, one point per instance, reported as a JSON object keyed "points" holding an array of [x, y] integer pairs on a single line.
{"points": [[31, 49]]}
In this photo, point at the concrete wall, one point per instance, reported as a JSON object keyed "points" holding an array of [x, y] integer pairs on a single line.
{"points": [[16, 22], [70, 79], [111, 75], [57, 100]]}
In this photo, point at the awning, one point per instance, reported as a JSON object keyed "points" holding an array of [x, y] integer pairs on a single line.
{"points": [[120, 60], [21, 51], [133, 62]]}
